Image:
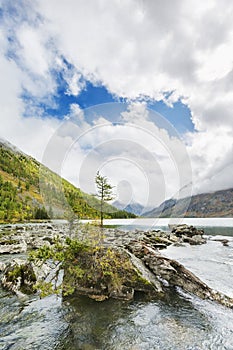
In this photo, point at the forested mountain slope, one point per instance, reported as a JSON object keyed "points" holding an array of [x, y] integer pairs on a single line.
{"points": [[21, 180]]}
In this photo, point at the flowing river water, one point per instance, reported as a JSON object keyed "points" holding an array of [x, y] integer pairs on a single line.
{"points": [[177, 322]]}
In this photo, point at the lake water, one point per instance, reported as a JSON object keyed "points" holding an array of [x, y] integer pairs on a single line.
{"points": [[176, 322]]}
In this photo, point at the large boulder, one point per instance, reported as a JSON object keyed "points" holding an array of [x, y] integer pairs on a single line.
{"points": [[108, 273]]}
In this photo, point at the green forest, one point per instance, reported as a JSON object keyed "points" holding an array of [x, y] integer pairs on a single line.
{"points": [[30, 191]]}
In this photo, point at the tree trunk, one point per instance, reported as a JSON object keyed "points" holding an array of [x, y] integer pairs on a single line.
{"points": [[101, 213]]}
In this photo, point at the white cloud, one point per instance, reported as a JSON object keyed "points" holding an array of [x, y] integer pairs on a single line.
{"points": [[75, 82], [134, 150], [33, 51], [139, 48], [30, 134]]}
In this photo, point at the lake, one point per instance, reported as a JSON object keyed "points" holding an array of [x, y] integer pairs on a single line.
{"points": [[176, 322]]}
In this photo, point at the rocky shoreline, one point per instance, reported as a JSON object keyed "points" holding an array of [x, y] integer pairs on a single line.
{"points": [[141, 265]]}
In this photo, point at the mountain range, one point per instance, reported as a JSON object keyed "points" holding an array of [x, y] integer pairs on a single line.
{"points": [[132, 207], [214, 204]]}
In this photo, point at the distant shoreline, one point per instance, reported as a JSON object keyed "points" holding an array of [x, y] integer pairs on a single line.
{"points": [[202, 222]]}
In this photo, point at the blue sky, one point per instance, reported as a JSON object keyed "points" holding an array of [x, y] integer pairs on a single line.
{"points": [[178, 115], [59, 55], [91, 94]]}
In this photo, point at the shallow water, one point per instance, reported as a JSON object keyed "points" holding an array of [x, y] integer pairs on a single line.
{"points": [[177, 322]]}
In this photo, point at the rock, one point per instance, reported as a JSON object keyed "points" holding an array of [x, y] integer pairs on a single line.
{"points": [[2, 266], [8, 227], [180, 230], [12, 246], [187, 234], [146, 274], [173, 238], [156, 239], [159, 246], [43, 271], [225, 242], [98, 297], [194, 240], [125, 293], [19, 228], [175, 274], [49, 239], [110, 275], [19, 277], [37, 243]]}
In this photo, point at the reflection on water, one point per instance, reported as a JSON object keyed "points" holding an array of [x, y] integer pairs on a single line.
{"points": [[222, 231]]}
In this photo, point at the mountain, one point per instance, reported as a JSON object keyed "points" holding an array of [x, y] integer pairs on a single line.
{"points": [[132, 207], [29, 190], [214, 204]]}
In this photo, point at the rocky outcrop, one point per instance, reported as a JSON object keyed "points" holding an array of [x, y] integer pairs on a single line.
{"points": [[107, 273], [19, 239], [11, 245], [224, 242], [124, 263], [173, 274], [189, 234]]}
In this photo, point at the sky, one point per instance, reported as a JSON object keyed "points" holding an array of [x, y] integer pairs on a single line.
{"points": [[141, 90]]}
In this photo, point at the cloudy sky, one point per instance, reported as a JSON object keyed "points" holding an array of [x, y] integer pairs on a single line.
{"points": [[139, 89]]}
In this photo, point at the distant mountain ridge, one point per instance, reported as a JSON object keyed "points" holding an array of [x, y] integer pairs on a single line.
{"points": [[133, 207], [214, 204], [21, 179]]}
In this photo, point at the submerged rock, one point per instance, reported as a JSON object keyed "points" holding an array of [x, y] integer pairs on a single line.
{"points": [[224, 242]]}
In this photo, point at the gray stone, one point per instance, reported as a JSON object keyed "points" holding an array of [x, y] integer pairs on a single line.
{"points": [[19, 277], [16, 247]]}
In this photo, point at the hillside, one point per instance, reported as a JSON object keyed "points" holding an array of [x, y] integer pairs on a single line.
{"points": [[21, 180], [215, 204]]}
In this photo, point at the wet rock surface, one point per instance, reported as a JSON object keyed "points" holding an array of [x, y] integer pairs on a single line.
{"points": [[173, 274], [19, 277]]}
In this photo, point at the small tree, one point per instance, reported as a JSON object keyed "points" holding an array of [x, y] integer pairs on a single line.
{"points": [[104, 192]]}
